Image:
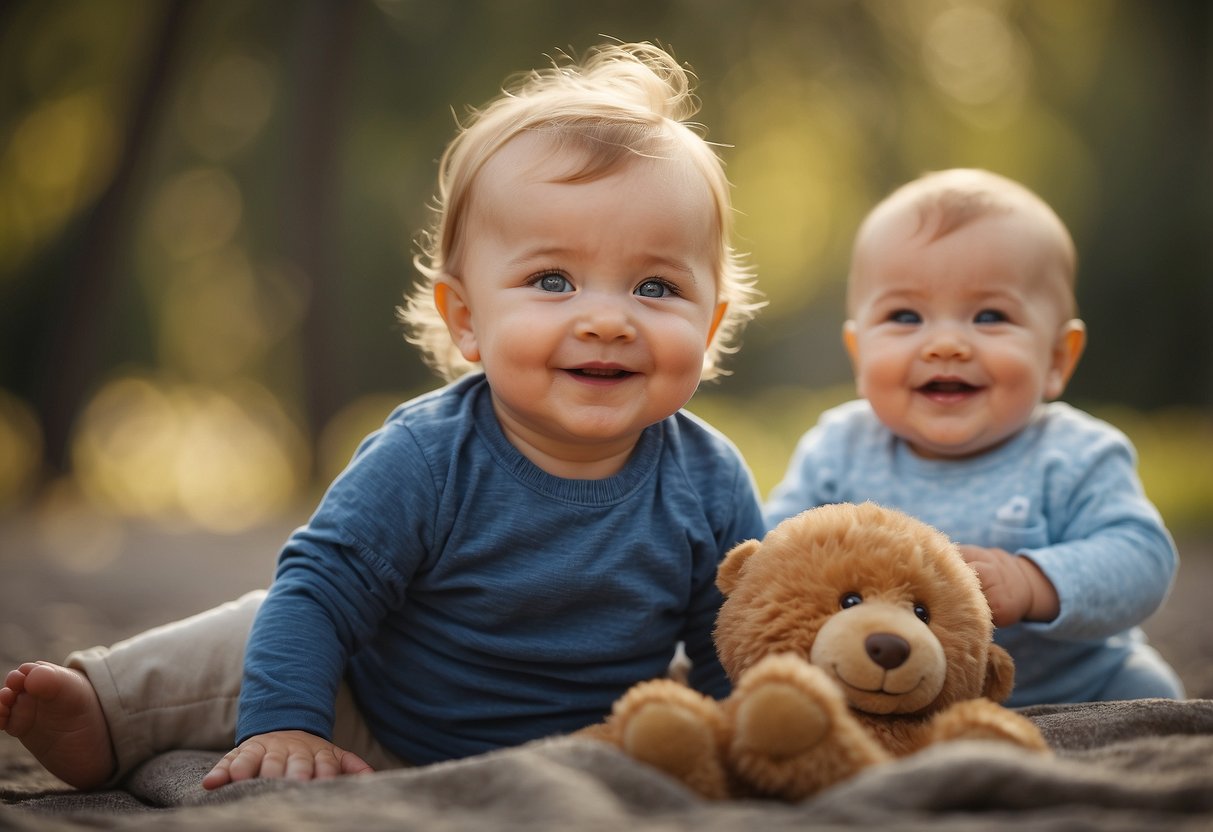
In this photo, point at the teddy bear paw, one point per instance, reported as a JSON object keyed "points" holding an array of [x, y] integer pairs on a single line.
{"points": [[784, 707], [677, 730], [792, 732], [779, 720]]}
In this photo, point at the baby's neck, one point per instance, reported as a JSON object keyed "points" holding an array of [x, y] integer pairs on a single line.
{"points": [[937, 456], [571, 459], [569, 467]]}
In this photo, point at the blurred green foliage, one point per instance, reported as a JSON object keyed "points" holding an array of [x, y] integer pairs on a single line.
{"points": [[208, 208]]}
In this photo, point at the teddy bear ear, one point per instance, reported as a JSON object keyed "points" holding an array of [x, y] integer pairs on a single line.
{"points": [[729, 571], [1000, 675]]}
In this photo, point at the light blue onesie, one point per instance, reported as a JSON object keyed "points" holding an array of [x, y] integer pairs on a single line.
{"points": [[1063, 492]]}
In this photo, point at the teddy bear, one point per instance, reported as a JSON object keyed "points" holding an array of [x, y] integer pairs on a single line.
{"points": [[852, 634]]}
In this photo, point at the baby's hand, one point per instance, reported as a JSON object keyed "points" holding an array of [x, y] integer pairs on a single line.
{"points": [[293, 755], [1014, 586]]}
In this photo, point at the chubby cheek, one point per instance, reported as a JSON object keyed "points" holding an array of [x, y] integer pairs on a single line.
{"points": [[685, 363], [517, 341], [678, 352], [879, 354], [881, 374], [1022, 377]]}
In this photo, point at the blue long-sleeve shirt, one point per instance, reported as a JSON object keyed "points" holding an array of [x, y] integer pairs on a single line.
{"points": [[1063, 492], [473, 601]]}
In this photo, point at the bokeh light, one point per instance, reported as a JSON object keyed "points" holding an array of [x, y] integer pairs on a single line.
{"points": [[218, 315], [793, 170], [974, 56], [196, 211], [227, 105], [20, 448], [222, 459], [58, 157]]}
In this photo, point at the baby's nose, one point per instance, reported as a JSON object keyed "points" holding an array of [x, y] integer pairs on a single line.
{"points": [[947, 344], [604, 319]]}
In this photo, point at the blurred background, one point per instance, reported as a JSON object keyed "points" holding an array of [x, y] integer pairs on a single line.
{"points": [[208, 211]]}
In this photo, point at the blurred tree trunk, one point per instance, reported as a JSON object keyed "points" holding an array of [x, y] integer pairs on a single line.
{"points": [[75, 339], [323, 52]]}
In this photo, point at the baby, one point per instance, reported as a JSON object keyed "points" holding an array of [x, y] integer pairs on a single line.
{"points": [[509, 554], [961, 331]]}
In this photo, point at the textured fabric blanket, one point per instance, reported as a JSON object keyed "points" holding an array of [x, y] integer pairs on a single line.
{"points": [[1122, 765]]}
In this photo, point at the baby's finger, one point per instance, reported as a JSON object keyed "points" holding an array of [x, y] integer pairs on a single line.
{"points": [[353, 764], [272, 764], [301, 764], [220, 775], [325, 764]]}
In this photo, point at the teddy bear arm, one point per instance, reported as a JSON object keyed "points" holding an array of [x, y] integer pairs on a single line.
{"points": [[981, 719]]}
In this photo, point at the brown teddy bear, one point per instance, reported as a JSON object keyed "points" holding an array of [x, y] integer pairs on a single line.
{"points": [[853, 634]]}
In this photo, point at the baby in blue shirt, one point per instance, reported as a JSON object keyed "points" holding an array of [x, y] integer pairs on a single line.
{"points": [[509, 554], [962, 331]]}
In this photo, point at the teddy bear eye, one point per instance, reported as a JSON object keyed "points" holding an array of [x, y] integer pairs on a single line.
{"points": [[849, 600], [923, 614]]}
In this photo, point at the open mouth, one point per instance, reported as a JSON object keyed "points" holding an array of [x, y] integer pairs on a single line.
{"points": [[600, 373], [948, 387]]}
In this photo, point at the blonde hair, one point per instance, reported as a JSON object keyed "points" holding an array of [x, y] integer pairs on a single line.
{"points": [[621, 101], [948, 200]]}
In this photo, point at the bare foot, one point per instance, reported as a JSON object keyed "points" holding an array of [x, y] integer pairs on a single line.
{"points": [[55, 713]]}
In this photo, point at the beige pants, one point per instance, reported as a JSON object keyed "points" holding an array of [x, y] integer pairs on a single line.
{"points": [[177, 686]]}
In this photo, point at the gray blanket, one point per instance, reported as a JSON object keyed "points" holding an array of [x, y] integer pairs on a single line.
{"points": [[1119, 766]]}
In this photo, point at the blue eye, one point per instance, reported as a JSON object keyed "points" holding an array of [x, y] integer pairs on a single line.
{"points": [[851, 599], [989, 316], [654, 288], [905, 316], [552, 282]]}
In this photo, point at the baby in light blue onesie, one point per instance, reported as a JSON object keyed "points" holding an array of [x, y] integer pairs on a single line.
{"points": [[962, 331]]}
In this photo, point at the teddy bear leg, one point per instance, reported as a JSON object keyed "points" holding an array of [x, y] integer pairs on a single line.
{"points": [[673, 728], [981, 719], [793, 733]]}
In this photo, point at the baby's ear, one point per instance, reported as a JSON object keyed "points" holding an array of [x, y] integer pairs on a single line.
{"points": [[1071, 341], [449, 298], [717, 317], [729, 571], [850, 340]]}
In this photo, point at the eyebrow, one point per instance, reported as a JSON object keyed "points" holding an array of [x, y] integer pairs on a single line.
{"points": [[889, 295]]}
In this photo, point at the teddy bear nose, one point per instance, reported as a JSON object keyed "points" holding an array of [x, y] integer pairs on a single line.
{"points": [[887, 650]]}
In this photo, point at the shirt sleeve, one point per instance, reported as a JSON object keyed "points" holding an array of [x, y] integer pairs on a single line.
{"points": [[1115, 561], [337, 577]]}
